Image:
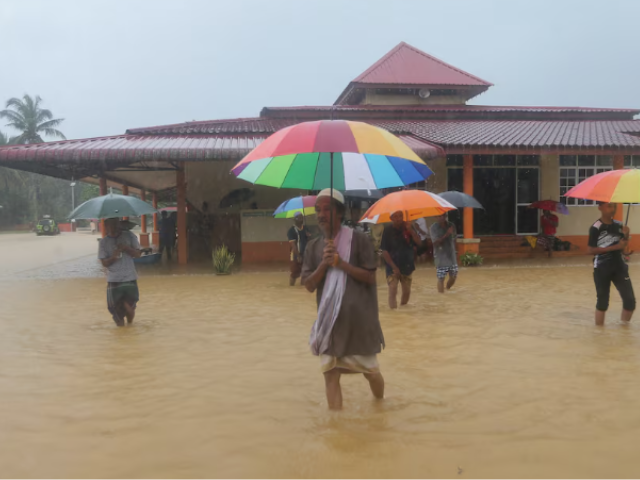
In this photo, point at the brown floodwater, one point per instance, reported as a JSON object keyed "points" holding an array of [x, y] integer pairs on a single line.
{"points": [[506, 376]]}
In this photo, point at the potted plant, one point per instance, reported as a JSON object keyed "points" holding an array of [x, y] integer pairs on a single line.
{"points": [[223, 260], [470, 259]]}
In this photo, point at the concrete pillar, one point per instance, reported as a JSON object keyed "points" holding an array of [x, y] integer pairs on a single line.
{"points": [[618, 164], [144, 236], [103, 191], [155, 236], [182, 216]]}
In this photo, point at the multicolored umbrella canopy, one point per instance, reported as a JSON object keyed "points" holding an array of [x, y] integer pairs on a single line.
{"points": [[551, 206], [614, 186], [287, 209], [363, 157], [413, 204]]}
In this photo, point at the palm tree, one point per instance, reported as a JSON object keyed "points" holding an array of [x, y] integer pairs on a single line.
{"points": [[26, 116], [4, 140]]}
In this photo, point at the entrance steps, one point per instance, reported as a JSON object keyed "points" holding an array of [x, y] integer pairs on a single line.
{"points": [[514, 246]]}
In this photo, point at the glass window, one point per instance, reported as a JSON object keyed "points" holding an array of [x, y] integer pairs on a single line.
{"points": [[455, 160], [632, 161], [570, 177], [568, 160], [483, 160], [586, 160], [604, 161], [528, 160], [504, 160], [528, 185]]}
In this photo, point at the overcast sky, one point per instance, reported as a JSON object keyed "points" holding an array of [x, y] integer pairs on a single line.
{"points": [[106, 66]]}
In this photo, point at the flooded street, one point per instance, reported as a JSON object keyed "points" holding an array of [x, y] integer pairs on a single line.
{"points": [[504, 377]]}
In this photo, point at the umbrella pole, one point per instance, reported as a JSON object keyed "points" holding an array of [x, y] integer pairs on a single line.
{"points": [[331, 193], [628, 211]]}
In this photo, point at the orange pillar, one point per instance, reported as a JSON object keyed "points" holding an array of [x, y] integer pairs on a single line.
{"points": [[103, 191], [125, 191], [467, 186], [618, 164], [182, 216]]}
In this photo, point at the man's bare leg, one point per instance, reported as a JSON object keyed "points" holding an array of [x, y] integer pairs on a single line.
{"points": [[626, 315], [130, 312], [600, 317], [376, 382], [451, 282], [332, 386], [441, 285], [393, 294], [406, 292]]}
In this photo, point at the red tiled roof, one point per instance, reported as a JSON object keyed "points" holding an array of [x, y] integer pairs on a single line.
{"points": [[126, 149], [406, 65], [458, 133], [443, 108]]}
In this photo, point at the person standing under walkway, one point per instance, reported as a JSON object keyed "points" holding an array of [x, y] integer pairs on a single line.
{"points": [[298, 236], [116, 253], [167, 233], [607, 240], [443, 235], [397, 245], [340, 266]]}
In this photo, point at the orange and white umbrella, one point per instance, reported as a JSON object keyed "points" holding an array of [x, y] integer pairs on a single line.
{"points": [[413, 204]]}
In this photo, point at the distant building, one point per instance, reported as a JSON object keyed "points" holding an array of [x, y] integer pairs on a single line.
{"points": [[507, 156]]}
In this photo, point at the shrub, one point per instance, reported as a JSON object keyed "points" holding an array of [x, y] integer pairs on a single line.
{"points": [[223, 259], [471, 259]]}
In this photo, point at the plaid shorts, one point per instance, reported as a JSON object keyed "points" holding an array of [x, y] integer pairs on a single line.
{"points": [[442, 272]]}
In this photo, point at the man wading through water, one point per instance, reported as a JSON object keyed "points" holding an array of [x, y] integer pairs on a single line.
{"points": [[607, 240], [342, 271], [116, 252], [298, 236]]}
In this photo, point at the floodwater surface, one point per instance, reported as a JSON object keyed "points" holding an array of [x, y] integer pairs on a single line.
{"points": [[506, 376]]}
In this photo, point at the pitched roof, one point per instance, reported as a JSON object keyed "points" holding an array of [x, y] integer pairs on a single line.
{"points": [[406, 65]]}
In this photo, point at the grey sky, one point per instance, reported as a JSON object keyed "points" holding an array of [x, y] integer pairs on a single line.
{"points": [[106, 66]]}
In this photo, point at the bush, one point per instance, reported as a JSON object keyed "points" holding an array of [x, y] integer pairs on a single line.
{"points": [[223, 260], [471, 259]]}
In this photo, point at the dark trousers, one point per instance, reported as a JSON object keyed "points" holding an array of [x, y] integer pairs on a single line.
{"points": [[166, 244], [616, 272]]}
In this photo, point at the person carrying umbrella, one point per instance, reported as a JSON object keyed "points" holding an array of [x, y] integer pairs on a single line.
{"points": [[340, 266], [443, 235], [298, 236], [549, 223], [397, 245], [116, 252], [607, 240]]}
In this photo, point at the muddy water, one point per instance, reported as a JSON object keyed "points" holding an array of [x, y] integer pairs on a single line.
{"points": [[504, 377]]}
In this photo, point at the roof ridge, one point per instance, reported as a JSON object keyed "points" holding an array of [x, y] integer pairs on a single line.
{"points": [[195, 122]]}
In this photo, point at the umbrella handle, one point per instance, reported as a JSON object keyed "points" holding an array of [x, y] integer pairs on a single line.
{"points": [[628, 211]]}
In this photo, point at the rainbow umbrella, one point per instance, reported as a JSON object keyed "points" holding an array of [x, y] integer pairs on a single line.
{"points": [[413, 204], [614, 186], [287, 209], [336, 154]]}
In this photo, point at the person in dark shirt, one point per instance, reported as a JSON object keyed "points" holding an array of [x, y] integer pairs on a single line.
{"points": [[398, 240], [607, 240], [298, 236], [167, 234]]}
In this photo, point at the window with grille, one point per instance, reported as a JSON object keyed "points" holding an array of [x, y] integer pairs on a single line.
{"points": [[576, 168]]}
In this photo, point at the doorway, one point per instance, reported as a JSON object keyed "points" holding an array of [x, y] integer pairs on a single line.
{"points": [[505, 185]]}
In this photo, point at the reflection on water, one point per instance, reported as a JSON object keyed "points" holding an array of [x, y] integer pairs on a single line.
{"points": [[505, 376]]}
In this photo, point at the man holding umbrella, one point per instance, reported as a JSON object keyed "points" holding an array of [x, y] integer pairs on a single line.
{"points": [[340, 266], [116, 252]]}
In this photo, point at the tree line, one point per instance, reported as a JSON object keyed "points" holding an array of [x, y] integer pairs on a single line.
{"points": [[26, 197]]}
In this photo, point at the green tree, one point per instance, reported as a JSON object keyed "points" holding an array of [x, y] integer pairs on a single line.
{"points": [[26, 116], [4, 140]]}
